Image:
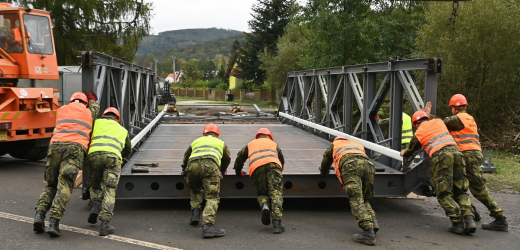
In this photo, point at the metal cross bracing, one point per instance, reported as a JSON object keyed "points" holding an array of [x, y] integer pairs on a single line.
{"points": [[128, 87], [346, 99]]}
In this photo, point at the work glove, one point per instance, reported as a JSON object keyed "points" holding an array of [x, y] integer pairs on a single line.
{"points": [[184, 176], [241, 173], [92, 96]]}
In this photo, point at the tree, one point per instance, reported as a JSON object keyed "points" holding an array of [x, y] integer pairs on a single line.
{"points": [[191, 73], [480, 60], [207, 69], [290, 48], [115, 27], [270, 17]]}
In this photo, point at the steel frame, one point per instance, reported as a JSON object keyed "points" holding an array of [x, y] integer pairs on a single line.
{"points": [[128, 87]]}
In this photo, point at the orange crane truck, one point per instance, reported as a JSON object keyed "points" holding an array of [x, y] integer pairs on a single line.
{"points": [[27, 115]]}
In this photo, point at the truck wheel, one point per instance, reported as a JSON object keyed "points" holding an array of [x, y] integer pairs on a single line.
{"points": [[38, 154], [3, 149]]}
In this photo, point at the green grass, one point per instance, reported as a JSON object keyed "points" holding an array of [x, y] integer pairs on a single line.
{"points": [[507, 176], [264, 104]]}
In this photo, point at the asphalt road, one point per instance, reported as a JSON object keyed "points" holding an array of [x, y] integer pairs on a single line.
{"points": [[309, 223]]}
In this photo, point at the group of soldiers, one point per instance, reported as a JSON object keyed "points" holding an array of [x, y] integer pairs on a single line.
{"points": [[105, 145], [453, 146]]}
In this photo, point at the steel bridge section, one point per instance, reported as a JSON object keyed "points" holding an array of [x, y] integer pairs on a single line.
{"points": [[353, 95], [126, 86]]}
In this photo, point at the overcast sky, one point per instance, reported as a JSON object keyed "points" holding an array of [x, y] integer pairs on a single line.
{"points": [[190, 14]]}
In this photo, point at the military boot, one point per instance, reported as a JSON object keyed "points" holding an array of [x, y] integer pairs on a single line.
{"points": [[54, 227], [209, 231], [278, 227], [39, 222], [94, 212], [476, 213], [499, 224], [105, 228], [368, 237], [266, 214], [195, 216], [469, 224], [457, 228], [376, 226]]}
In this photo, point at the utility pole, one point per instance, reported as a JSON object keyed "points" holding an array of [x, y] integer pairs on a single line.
{"points": [[156, 77], [174, 76]]}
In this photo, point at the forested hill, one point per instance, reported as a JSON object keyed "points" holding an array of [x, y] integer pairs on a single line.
{"points": [[175, 39]]}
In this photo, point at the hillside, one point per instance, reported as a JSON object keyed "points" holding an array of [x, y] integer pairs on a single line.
{"points": [[173, 39]]}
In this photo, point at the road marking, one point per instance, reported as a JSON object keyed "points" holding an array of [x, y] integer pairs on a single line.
{"points": [[91, 233]]}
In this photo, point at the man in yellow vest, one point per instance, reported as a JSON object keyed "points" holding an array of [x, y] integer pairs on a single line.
{"points": [[204, 164], [68, 147], [464, 130], [356, 173], [109, 146], [406, 129], [265, 168], [448, 176]]}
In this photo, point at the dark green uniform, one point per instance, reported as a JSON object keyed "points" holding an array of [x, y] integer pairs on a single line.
{"points": [[477, 181], [104, 173], [64, 160], [448, 178], [267, 180], [203, 175], [357, 174]]}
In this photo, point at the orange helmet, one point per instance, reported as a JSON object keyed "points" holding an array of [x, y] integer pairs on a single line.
{"points": [[264, 131], [79, 96], [211, 128], [340, 137], [113, 111], [458, 100], [418, 115]]}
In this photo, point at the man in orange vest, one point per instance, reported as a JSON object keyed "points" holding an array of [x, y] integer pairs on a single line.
{"points": [[464, 130], [68, 147], [265, 168], [448, 176], [356, 173]]}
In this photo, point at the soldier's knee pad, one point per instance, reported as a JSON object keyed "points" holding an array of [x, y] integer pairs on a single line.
{"points": [[70, 172]]}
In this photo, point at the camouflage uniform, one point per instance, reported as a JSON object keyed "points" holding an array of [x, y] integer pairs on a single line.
{"points": [[267, 180], [448, 178], [203, 175], [477, 181], [64, 160], [357, 174], [104, 173]]}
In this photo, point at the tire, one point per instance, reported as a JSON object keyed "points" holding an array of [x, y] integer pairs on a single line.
{"points": [[36, 154], [26, 150]]}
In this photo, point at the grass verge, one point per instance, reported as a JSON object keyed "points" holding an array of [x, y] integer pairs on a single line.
{"points": [[507, 176], [259, 104]]}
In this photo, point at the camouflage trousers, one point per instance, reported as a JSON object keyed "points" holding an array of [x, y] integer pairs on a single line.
{"points": [[203, 175], [477, 182], [104, 173], [64, 160], [357, 174], [448, 178], [267, 180]]}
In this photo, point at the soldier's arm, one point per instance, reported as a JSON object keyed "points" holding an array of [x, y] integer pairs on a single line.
{"points": [[241, 158], [226, 159], [453, 123], [280, 156], [127, 150], [414, 145], [327, 160], [94, 109], [187, 155]]}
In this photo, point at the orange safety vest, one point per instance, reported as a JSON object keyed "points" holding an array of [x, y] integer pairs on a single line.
{"points": [[433, 136], [73, 124], [467, 138], [262, 151], [343, 147]]}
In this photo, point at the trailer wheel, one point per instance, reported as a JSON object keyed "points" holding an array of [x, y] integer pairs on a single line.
{"points": [[26, 150], [38, 154]]}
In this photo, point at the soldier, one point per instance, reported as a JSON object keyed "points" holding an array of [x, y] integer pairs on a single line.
{"points": [[406, 129], [265, 168], [356, 173], [448, 176], [204, 164], [68, 147], [464, 130], [110, 145]]}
